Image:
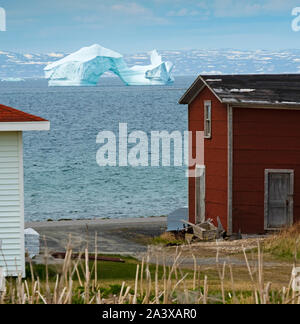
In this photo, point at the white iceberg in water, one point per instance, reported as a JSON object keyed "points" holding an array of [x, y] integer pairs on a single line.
{"points": [[158, 73], [86, 66]]}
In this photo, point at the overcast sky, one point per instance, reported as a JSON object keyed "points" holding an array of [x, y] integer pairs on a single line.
{"points": [[134, 26]]}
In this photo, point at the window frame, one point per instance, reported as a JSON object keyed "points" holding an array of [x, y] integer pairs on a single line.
{"points": [[207, 119]]}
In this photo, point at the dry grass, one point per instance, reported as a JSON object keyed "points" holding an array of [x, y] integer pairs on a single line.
{"points": [[168, 238], [78, 282], [285, 245]]}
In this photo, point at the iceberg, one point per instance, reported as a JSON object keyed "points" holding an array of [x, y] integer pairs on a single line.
{"points": [[158, 73], [86, 66]]}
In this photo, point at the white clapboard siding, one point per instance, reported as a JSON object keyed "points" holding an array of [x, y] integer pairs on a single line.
{"points": [[11, 203]]}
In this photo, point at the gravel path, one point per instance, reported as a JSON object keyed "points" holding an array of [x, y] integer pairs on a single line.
{"points": [[128, 237], [114, 236]]}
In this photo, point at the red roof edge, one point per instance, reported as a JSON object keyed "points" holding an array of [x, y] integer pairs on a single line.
{"points": [[11, 115]]}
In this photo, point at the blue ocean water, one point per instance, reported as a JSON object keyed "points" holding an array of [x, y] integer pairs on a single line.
{"points": [[62, 178]]}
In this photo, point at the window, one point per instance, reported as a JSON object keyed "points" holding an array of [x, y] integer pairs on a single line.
{"points": [[207, 119]]}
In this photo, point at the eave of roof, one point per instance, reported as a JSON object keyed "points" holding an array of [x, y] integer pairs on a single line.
{"points": [[226, 92], [16, 120], [24, 126], [192, 91]]}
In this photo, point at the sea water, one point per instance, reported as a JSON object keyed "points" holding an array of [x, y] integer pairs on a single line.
{"points": [[62, 177]]}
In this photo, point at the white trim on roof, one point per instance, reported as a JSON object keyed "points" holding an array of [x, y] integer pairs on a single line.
{"points": [[24, 126], [211, 89]]}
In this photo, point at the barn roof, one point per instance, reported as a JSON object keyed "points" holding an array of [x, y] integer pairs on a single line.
{"points": [[16, 120], [249, 90]]}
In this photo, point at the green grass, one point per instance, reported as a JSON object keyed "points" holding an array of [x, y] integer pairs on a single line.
{"points": [[167, 239], [106, 271], [161, 241]]}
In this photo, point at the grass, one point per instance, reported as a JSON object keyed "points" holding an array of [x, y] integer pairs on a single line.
{"points": [[285, 245], [107, 272], [167, 239], [87, 282]]}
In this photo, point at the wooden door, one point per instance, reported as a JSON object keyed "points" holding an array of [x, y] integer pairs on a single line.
{"points": [[279, 198]]}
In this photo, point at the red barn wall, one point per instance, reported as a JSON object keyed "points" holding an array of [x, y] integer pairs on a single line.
{"points": [[216, 158], [262, 139]]}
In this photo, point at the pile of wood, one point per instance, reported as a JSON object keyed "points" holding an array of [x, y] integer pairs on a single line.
{"points": [[207, 231]]}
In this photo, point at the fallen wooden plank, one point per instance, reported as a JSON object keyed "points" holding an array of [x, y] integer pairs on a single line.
{"points": [[193, 225], [75, 256]]}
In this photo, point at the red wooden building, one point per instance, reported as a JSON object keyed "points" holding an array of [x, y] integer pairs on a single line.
{"points": [[251, 172]]}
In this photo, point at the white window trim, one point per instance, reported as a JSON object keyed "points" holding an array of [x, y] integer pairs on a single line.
{"points": [[207, 132]]}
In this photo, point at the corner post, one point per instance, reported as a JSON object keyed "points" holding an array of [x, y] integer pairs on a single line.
{"points": [[230, 168]]}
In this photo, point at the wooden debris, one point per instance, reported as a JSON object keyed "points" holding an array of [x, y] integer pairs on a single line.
{"points": [[60, 255], [205, 231]]}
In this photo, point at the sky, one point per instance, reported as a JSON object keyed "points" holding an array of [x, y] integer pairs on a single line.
{"points": [[130, 26]]}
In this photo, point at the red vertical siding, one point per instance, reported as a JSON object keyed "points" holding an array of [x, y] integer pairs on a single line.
{"points": [[215, 157], [262, 139]]}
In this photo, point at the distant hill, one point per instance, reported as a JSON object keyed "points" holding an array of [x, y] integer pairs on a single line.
{"points": [[187, 62], [15, 65]]}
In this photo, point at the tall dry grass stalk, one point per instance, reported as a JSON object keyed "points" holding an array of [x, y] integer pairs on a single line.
{"points": [[149, 288]]}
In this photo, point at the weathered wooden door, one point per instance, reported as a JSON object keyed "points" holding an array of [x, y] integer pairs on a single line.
{"points": [[279, 198]]}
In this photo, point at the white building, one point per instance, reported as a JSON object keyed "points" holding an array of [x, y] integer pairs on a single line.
{"points": [[12, 125]]}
